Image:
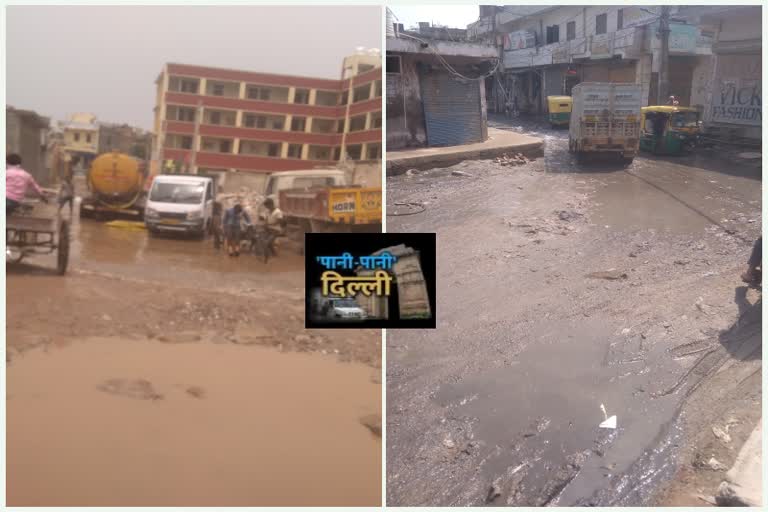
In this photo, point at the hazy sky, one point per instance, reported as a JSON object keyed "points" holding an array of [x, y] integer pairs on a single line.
{"points": [[454, 16], [105, 60]]}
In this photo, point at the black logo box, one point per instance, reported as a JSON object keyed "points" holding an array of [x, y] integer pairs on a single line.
{"points": [[412, 245]]}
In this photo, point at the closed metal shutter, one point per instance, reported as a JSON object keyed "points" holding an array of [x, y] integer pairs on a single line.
{"points": [[452, 111], [553, 82]]}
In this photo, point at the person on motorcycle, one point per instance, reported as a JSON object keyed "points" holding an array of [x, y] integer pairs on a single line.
{"points": [[752, 275], [17, 183], [233, 218], [275, 223]]}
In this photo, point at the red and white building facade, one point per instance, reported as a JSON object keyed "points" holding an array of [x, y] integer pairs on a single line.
{"points": [[220, 120]]}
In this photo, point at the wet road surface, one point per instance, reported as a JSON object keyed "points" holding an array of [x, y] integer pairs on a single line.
{"points": [[102, 422], [160, 371], [586, 285]]}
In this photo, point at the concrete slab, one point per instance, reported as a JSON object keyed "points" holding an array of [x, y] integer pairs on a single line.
{"points": [[498, 143], [743, 483]]}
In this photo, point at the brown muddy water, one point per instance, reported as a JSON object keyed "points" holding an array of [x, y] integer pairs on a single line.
{"points": [[104, 422]]}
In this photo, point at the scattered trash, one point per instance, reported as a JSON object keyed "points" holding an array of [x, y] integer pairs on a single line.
{"points": [[721, 434], [494, 492], [568, 215], [511, 159], [716, 465], [448, 443], [611, 275], [750, 155], [411, 172], [461, 173], [609, 422], [704, 308], [706, 499]]}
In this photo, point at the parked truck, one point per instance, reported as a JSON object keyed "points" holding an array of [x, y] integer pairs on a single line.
{"points": [[322, 201], [605, 119], [115, 183]]}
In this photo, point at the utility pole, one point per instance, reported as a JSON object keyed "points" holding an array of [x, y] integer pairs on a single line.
{"points": [[500, 50], [663, 90]]}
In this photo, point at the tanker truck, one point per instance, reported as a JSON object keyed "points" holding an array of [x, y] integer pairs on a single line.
{"points": [[115, 184]]}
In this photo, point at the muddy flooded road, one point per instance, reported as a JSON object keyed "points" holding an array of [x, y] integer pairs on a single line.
{"points": [[102, 422], [159, 371], [586, 286]]}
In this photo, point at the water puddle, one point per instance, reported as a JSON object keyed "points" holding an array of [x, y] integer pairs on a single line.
{"points": [[107, 422], [539, 416]]}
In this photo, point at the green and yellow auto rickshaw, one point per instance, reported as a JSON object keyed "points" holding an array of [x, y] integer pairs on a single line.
{"points": [[559, 110], [669, 130]]}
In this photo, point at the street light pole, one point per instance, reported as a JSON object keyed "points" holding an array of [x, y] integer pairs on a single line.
{"points": [[664, 55]]}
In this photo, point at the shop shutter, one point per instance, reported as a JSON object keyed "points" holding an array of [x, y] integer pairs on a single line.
{"points": [[452, 112]]}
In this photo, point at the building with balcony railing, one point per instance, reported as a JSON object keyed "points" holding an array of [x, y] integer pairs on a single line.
{"points": [[546, 50], [220, 120]]}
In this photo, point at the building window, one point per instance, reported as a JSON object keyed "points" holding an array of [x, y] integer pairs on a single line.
{"points": [[355, 151], [570, 30], [344, 98], [375, 120], [259, 93], [373, 152], [326, 98], [601, 24], [77, 137], [301, 97], [189, 86], [218, 89], [88, 138], [298, 124], [378, 88], [337, 153], [274, 149], [215, 118], [393, 64], [364, 68], [186, 142], [357, 123], [362, 93], [294, 150], [109, 141], [185, 114], [319, 153], [553, 34], [620, 19]]}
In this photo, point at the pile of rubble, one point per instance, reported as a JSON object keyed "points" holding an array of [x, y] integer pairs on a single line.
{"points": [[250, 199], [511, 159]]}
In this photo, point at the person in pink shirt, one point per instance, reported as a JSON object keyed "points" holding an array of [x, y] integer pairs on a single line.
{"points": [[17, 183]]}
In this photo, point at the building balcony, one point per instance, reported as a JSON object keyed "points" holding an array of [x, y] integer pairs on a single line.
{"points": [[626, 43], [249, 105]]}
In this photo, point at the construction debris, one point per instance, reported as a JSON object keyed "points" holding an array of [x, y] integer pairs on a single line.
{"points": [[511, 159]]}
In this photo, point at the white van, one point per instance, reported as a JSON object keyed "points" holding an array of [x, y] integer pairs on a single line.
{"points": [[180, 203]]}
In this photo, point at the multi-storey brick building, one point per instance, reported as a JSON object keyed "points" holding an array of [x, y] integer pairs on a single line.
{"points": [[259, 123]]}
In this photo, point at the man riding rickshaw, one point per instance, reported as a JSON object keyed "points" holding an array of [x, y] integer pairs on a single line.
{"points": [[669, 129]]}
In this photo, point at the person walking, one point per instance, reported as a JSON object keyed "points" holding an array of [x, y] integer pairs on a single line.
{"points": [[233, 218]]}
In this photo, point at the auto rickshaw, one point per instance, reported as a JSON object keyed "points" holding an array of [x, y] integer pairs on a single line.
{"points": [[669, 130], [559, 110]]}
